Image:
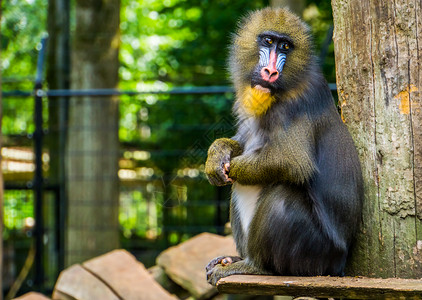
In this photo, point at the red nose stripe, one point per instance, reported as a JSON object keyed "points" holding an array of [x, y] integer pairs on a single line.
{"points": [[270, 73]]}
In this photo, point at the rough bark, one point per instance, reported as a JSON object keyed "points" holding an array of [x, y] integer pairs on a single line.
{"points": [[377, 48], [92, 145], [1, 179]]}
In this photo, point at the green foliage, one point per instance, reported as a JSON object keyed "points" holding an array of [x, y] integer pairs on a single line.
{"points": [[164, 44], [18, 209], [22, 27], [138, 213], [318, 15], [177, 41]]}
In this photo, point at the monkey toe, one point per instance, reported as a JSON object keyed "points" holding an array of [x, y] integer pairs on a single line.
{"points": [[226, 261], [219, 268], [213, 263], [215, 274], [222, 260]]}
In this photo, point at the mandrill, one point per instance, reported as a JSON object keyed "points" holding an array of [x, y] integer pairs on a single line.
{"points": [[297, 184]]}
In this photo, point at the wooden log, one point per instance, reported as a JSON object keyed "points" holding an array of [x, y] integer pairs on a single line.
{"points": [[185, 263], [169, 285], [60, 296], [77, 283], [321, 286], [32, 296], [115, 275], [127, 277]]}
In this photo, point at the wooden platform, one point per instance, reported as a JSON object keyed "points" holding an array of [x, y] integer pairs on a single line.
{"points": [[344, 287]]}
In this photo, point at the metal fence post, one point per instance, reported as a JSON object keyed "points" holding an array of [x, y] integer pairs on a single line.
{"points": [[38, 180]]}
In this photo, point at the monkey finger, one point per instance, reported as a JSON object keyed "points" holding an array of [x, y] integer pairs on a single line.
{"points": [[212, 180], [228, 179], [209, 276], [226, 169], [216, 180], [221, 176]]}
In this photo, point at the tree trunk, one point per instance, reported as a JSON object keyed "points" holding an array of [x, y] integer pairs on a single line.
{"points": [[1, 178], [379, 79], [93, 146], [296, 6]]}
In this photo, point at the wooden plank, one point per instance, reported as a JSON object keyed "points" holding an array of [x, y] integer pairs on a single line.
{"points": [[126, 276], [321, 286]]}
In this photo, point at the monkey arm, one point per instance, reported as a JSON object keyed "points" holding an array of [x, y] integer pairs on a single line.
{"points": [[220, 154], [290, 161]]}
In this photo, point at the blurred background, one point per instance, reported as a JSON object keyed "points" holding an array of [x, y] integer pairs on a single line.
{"points": [[108, 110]]}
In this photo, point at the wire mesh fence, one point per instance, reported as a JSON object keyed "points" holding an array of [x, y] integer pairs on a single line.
{"points": [[164, 196]]}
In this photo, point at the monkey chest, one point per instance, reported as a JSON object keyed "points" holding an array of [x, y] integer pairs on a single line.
{"points": [[245, 197]]}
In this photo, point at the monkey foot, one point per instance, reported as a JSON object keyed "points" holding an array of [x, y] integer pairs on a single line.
{"points": [[221, 260]]}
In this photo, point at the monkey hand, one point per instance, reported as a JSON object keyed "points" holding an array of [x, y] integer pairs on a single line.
{"points": [[217, 166], [216, 268]]}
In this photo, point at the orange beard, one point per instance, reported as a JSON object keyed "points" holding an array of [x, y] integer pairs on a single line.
{"points": [[256, 101]]}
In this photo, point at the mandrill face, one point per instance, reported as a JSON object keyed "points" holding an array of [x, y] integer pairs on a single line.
{"points": [[271, 52], [274, 48]]}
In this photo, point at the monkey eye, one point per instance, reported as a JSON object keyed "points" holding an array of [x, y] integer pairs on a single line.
{"points": [[284, 46], [268, 40]]}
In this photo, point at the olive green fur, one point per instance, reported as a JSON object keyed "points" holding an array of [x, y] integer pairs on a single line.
{"points": [[287, 157], [219, 153]]}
